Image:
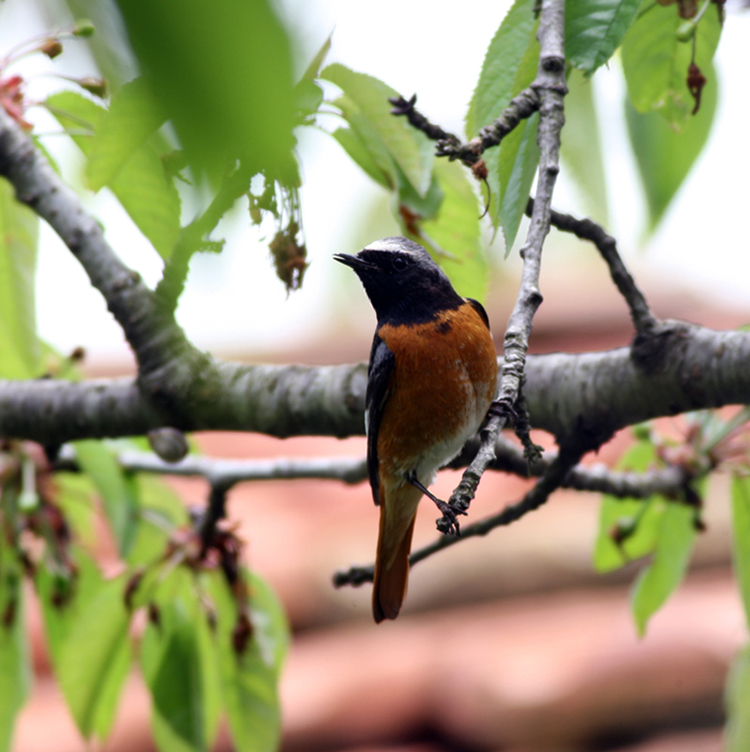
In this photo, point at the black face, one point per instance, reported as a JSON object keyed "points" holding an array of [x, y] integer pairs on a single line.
{"points": [[402, 281]]}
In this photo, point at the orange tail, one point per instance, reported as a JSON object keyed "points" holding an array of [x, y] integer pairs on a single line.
{"points": [[398, 510]]}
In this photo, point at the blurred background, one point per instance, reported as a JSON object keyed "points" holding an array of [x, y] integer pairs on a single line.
{"points": [[506, 643]]}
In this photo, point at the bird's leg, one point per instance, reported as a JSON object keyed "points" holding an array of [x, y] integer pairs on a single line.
{"points": [[448, 523]]}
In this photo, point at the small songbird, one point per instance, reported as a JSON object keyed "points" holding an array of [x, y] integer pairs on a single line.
{"points": [[431, 380]]}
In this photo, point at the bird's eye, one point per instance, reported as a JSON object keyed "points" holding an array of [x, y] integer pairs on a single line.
{"points": [[400, 263]]}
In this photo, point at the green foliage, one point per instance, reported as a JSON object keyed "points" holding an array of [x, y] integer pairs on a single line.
{"points": [[509, 67], [131, 166], [15, 664], [627, 526], [674, 544], [633, 528], [249, 680], [131, 118], [594, 29], [190, 50], [741, 537], [389, 141], [665, 155], [116, 487], [737, 700], [656, 62], [19, 231], [432, 200], [94, 657], [456, 230], [180, 669]]}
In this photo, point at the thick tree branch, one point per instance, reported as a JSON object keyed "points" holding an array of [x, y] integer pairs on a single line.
{"points": [[594, 393]]}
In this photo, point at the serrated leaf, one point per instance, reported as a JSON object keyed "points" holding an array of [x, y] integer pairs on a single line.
{"points": [[141, 184], [456, 230], [231, 63], [656, 63], [15, 664], [95, 659], [664, 156], [660, 579], [178, 659], [594, 29], [131, 118], [499, 78], [741, 538], [19, 235], [737, 701], [250, 679], [117, 489], [410, 149], [581, 149]]}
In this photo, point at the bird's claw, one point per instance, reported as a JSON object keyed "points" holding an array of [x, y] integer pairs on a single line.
{"points": [[448, 523]]}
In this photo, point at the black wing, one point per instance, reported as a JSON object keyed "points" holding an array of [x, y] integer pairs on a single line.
{"points": [[479, 308], [379, 373]]}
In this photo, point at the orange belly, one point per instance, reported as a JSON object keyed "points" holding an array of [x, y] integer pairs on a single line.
{"points": [[442, 384]]}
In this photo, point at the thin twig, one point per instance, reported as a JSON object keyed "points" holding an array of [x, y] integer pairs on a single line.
{"points": [[551, 89], [644, 321], [405, 107], [538, 495]]}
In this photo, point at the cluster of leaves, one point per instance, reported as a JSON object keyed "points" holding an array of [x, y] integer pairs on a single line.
{"points": [[215, 638]]}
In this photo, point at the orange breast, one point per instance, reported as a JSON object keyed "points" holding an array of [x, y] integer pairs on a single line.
{"points": [[443, 382]]}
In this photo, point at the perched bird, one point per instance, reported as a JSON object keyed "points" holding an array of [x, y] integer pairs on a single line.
{"points": [[431, 380]]}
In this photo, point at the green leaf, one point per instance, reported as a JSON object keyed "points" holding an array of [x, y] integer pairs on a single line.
{"points": [[15, 664], [73, 494], [64, 601], [516, 167], [640, 516], [178, 659], [656, 63], [741, 537], [19, 234], [117, 489], [658, 581], [161, 512], [250, 680], [737, 730], [594, 29], [141, 184], [366, 108], [132, 117], [456, 230], [581, 149], [501, 70], [509, 67], [358, 151], [664, 156], [231, 63], [95, 659]]}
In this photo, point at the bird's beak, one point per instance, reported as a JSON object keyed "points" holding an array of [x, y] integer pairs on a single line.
{"points": [[353, 261]]}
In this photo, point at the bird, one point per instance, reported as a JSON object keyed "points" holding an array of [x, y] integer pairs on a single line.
{"points": [[432, 377]]}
